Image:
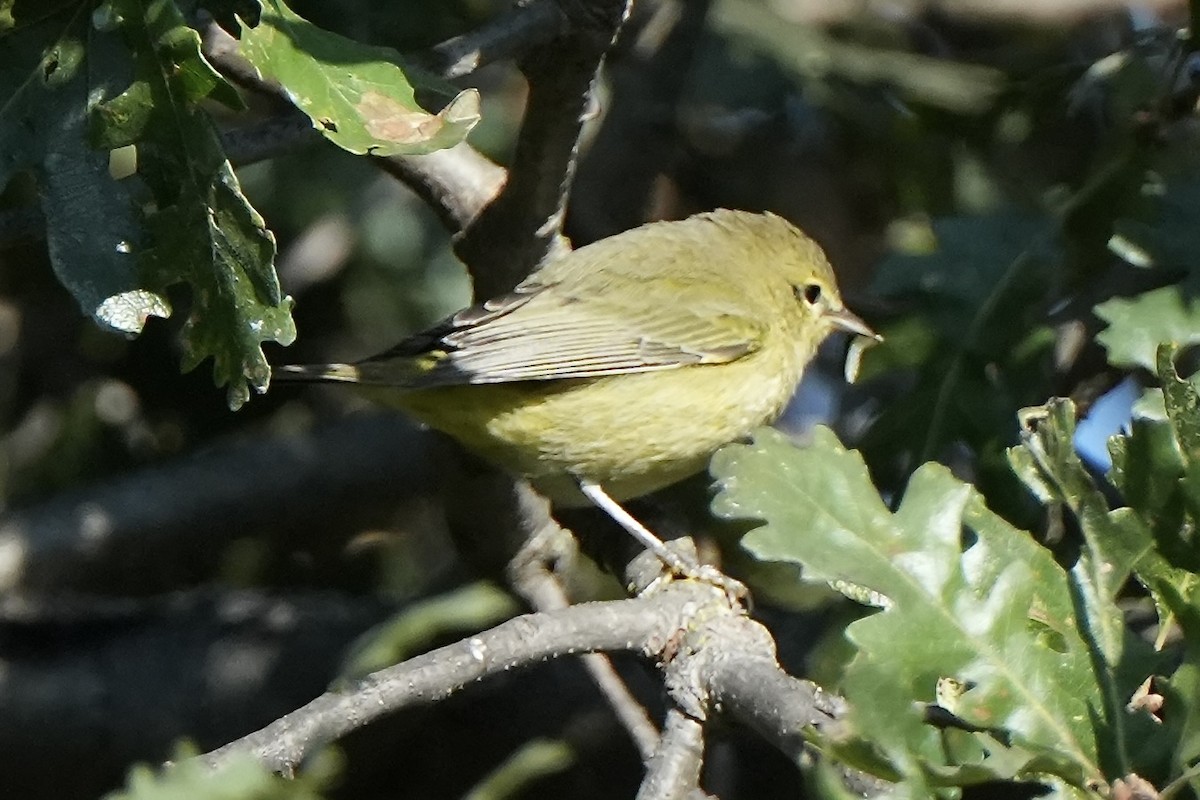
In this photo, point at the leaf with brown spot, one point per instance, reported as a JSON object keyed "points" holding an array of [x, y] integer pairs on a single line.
{"points": [[358, 96]]}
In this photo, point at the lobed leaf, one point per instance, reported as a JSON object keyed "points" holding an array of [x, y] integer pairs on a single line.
{"points": [[969, 598], [201, 229], [1137, 324], [1155, 470], [1153, 538]]}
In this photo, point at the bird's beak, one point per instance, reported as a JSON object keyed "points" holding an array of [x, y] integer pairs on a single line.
{"points": [[845, 320]]}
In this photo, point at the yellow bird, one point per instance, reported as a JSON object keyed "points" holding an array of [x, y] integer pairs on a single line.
{"points": [[619, 368]]}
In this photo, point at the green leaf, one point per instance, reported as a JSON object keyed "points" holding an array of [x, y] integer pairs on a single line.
{"points": [[989, 609], [1145, 538], [1167, 242], [1047, 462], [1137, 324], [1181, 692], [241, 779], [1155, 468], [369, 108], [53, 68], [1182, 404], [202, 230]]}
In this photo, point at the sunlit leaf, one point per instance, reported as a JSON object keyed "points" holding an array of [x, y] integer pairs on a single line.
{"points": [[359, 96], [1137, 324], [989, 609]]}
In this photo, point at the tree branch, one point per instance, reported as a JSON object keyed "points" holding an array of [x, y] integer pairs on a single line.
{"points": [[673, 772], [532, 574], [523, 225], [643, 624], [504, 36], [752, 687], [155, 529], [457, 183], [715, 657], [286, 132]]}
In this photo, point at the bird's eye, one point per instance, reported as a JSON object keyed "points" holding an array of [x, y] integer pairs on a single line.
{"points": [[809, 293]]}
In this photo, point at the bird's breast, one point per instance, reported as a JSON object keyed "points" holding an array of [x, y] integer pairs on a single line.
{"points": [[632, 433]]}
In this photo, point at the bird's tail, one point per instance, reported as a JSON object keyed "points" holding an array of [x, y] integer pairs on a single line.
{"points": [[395, 373], [318, 373]]}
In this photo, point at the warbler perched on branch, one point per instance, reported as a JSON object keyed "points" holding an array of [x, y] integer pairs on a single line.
{"points": [[619, 368]]}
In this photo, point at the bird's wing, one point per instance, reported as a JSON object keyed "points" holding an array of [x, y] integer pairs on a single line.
{"points": [[535, 333]]}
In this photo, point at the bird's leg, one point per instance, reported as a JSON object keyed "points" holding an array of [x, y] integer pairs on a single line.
{"points": [[684, 568]]}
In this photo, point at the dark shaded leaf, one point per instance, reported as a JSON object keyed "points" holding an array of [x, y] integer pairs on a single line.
{"points": [[53, 68]]}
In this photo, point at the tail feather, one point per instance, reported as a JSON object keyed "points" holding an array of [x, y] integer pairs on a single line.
{"points": [[318, 373]]}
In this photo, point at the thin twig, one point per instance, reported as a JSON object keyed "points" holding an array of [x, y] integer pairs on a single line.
{"points": [[533, 575]]}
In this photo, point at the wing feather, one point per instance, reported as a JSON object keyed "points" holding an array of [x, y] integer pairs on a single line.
{"points": [[538, 334]]}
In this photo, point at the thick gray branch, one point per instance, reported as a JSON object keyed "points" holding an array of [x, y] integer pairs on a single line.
{"points": [[716, 659]]}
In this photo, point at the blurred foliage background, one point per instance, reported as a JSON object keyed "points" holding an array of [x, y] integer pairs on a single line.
{"points": [[983, 175]]}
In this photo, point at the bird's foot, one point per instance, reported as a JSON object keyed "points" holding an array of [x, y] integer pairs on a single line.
{"points": [[678, 565]]}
